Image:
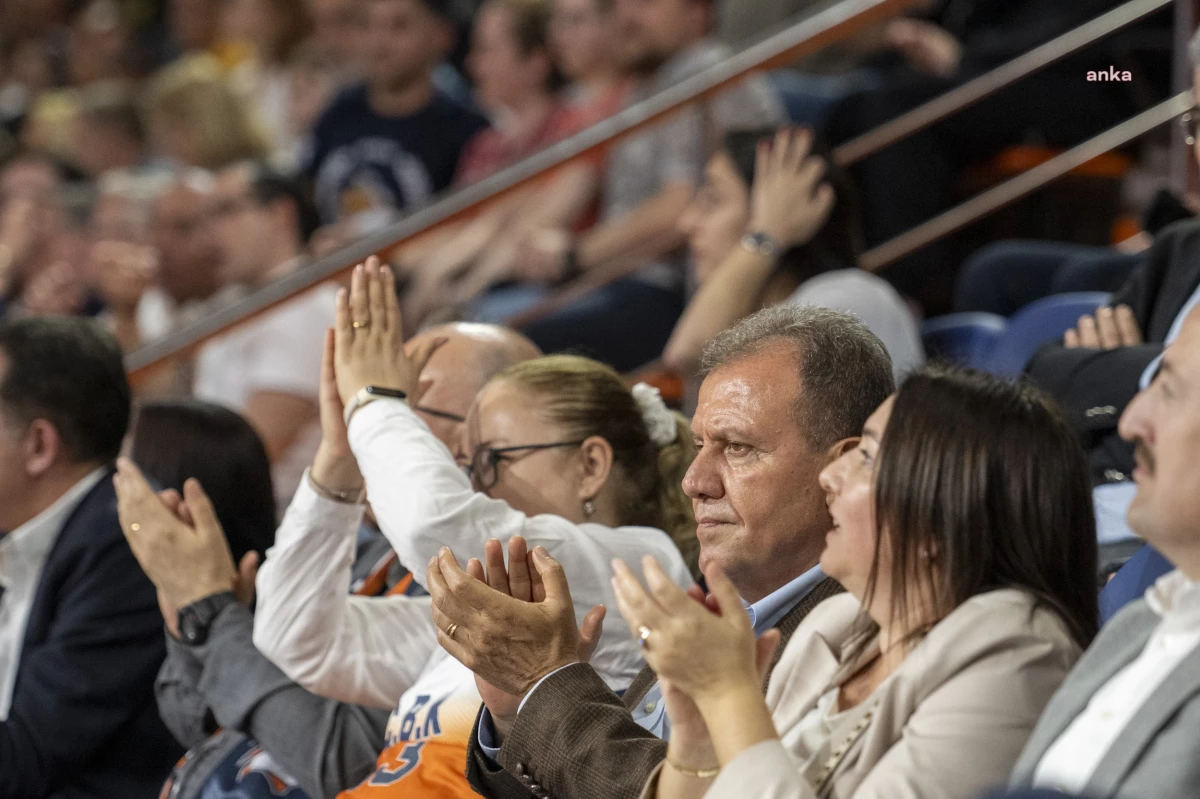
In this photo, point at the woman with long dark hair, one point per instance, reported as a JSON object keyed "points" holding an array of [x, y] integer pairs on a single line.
{"points": [[963, 534]]}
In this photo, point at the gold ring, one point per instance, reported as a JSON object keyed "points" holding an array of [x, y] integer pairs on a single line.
{"points": [[357, 325], [451, 630], [643, 635]]}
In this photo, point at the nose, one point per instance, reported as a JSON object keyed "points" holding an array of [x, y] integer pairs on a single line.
{"points": [[1135, 421], [687, 220], [831, 476], [702, 479]]}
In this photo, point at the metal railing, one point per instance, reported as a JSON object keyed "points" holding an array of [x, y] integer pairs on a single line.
{"points": [[803, 38]]}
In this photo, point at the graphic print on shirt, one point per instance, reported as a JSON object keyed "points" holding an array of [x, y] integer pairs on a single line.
{"points": [[425, 749], [370, 174]]}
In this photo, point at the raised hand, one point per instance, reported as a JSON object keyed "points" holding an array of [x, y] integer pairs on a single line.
{"points": [[927, 47], [789, 200], [369, 338]]}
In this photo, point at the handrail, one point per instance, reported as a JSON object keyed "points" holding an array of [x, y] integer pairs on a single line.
{"points": [[910, 122], [1027, 182], [807, 36], [990, 82]]}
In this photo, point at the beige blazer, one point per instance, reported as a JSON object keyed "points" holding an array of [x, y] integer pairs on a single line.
{"points": [[947, 724]]}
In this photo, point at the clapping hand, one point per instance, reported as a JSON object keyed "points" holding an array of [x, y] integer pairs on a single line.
{"points": [[509, 627], [1108, 329], [703, 648], [178, 542], [790, 202]]}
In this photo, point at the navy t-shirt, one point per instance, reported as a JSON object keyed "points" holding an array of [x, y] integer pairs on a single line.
{"points": [[359, 160]]}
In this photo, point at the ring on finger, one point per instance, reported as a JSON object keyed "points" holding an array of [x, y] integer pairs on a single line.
{"points": [[643, 635], [451, 630], [360, 325]]}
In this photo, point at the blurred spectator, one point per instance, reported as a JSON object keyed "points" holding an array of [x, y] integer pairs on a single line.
{"points": [[648, 183], [193, 25], [26, 70], [80, 630], [339, 27], [108, 130], [269, 368], [780, 226], [394, 141], [98, 44], [194, 117], [313, 80], [516, 81], [272, 30]]}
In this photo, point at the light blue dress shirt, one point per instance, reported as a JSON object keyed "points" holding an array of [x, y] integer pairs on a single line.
{"points": [[651, 711]]}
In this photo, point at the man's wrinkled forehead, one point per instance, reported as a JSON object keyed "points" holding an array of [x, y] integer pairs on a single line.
{"points": [[757, 393]]}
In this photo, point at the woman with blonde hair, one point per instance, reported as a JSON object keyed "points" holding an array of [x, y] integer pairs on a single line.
{"points": [[195, 118], [558, 453]]}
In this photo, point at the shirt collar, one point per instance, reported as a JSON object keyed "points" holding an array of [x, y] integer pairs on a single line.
{"points": [[1177, 599], [766, 612], [41, 531]]}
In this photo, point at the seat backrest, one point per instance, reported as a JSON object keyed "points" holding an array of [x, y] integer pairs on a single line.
{"points": [[963, 339], [1037, 323]]}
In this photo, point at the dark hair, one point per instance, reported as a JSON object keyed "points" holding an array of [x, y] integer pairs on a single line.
{"points": [[530, 29], [178, 439], [838, 244], [989, 475], [845, 371], [268, 185], [70, 372]]}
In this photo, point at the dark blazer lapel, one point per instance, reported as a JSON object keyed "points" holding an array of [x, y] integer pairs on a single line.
{"points": [[1123, 755], [791, 620]]}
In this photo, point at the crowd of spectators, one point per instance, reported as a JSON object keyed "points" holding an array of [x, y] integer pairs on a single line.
{"points": [[425, 531]]}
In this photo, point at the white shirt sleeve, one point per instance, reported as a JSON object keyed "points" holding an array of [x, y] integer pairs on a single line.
{"points": [[424, 501], [363, 650]]}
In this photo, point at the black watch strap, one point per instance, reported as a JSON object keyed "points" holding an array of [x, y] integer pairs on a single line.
{"points": [[196, 619], [380, 391]]}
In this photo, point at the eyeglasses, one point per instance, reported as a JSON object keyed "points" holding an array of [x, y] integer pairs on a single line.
{"points": [[453, 417], [1191, 125], [484, 469]]}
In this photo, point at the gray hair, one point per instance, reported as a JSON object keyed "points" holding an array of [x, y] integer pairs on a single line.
{"points": [[845, 370], [1194, 50]]}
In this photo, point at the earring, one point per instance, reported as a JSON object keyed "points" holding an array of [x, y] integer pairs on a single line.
{"points": [[589, 508]]}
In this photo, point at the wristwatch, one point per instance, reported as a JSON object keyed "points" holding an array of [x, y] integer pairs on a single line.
{"points": [[761, 244], [368, 394], [196, 618]]}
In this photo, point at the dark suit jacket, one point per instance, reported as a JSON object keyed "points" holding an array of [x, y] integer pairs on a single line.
{"points": [[1096, 385], [83, 721], [1130, 583], [576, 739]]}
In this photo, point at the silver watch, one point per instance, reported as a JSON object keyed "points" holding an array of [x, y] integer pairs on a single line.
{"points": [[761, 244]]}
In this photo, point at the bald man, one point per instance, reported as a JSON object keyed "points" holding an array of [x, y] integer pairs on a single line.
{"points": [[274, 733]]}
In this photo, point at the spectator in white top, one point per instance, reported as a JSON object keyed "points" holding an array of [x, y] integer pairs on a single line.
{"points": [[1127, 720], [563, 456], [269, 368]]}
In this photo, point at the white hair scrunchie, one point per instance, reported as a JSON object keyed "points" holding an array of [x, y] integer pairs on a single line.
{"points": [[660, 422]]}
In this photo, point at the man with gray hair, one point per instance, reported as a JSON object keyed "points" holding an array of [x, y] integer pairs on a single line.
{"points": [[786, 391]]}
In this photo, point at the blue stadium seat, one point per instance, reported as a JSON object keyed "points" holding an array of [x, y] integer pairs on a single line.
{"points": [[963, 339], [1037, 323]]}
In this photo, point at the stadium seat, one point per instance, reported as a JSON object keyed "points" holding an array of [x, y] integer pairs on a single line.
{"points": [[963, 339], [1037, 323]]}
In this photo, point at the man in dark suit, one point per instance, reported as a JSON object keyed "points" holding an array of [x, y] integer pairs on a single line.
{"points": [[786, 391], [1097, 369], [80, 631]]}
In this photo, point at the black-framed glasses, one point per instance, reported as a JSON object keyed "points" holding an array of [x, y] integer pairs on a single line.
{"points": [[1191, 125], [484, 469], [453, 417]]}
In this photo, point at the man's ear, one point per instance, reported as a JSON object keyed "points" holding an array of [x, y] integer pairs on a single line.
{"points": [[841, 448], [597, 460], [42, 447]]}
